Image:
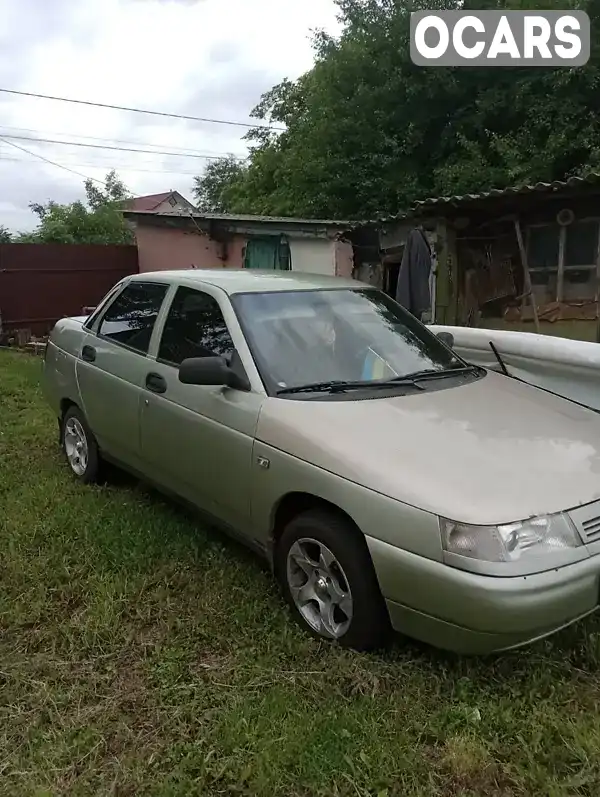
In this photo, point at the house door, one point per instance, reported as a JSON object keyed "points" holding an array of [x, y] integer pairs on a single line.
{"points": [[265, 253]]}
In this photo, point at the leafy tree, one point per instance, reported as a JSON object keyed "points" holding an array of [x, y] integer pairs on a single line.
{"points": [[5, 235], [113, 193], [367, 132], [212, 189], [97, 221]]}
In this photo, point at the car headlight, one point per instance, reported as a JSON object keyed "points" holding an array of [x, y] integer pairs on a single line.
{"points": [[547, 534]]}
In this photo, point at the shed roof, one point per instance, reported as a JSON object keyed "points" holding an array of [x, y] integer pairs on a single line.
{"points": [[459, 200], [232, 218]]}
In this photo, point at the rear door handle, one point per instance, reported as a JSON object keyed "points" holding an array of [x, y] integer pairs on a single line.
{"points": [[156, 383], [88, 353]]}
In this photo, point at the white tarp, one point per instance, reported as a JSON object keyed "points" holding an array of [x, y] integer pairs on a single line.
{"points": [[570, 368]]}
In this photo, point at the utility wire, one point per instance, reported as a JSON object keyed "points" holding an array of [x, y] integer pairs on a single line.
{"points": [[52, 163], [115, 149], [140, 110], [105, 138], [117, 166]]}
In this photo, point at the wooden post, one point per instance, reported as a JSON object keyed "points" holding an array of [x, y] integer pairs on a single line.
{"points": [[528, 285]]}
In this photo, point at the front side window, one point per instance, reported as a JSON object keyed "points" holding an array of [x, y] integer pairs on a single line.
{"points": [[194, 327], [346, 335], [130, 318]]}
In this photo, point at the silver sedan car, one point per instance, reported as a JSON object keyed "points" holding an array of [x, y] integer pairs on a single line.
{"points": [[390, 484]]}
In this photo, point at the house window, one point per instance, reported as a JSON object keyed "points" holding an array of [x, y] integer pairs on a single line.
{"points": [[543, 247], [270, 252], [562, 260]]}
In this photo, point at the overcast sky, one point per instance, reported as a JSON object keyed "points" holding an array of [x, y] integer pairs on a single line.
{"points": [[209, 58]]}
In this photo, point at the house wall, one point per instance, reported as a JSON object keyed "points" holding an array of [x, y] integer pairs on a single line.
{"points": [[162, 248], [322, 256], [313, 255], [343, 259]]}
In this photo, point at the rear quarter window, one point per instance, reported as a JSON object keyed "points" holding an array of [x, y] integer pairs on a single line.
{"points": [[130, 318]]}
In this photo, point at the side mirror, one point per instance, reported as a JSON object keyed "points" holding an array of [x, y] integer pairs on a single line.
{"points": [[447, 338], [211, 371]]}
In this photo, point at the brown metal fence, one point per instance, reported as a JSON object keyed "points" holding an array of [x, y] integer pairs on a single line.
{"points": [[40, 283]]}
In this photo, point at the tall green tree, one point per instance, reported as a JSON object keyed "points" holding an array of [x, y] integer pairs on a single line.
{"points": [[97, 221], [212, 188], [368, 132], [5, 235]]}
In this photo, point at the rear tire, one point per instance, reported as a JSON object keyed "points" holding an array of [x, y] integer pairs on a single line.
{"points": [[79, 446], [323, 566]]}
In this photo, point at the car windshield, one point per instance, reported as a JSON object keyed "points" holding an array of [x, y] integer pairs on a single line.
{"points": [[311, 336]]}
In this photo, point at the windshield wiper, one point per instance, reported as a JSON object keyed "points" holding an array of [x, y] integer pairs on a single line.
{"points": [[430, 373], [410, 380], [339, 386]]}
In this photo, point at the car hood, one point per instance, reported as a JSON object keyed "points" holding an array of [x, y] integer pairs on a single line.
{"points": [[491, 451]]}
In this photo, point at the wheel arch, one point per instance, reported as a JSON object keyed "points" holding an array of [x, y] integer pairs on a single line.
{"points": [[295, 503], [64, 405]]}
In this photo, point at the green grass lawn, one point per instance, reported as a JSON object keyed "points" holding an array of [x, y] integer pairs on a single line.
{"points": [[141, 654]]}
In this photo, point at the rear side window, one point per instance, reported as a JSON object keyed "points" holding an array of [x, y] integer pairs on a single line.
{"points": [[194, 327], [130, 319], [101, 306]]}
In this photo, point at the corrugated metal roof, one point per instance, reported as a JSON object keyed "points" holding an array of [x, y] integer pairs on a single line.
{"points": [[462, 199], [243, 217], [274, 219]]}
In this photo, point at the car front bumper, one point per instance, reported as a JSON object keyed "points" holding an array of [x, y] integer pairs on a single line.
{"points": [[469, 613]]}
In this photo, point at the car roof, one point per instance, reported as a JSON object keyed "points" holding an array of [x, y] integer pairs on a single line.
{"points": [[249, 281]]}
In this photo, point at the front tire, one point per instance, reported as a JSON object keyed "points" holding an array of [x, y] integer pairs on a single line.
{"points": [[79, 446], [325, 572]]}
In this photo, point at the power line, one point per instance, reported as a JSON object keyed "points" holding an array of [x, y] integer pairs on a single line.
{"points": [[115, 149], [140, 110], [110, 140], [109, 166], [52, 163]]}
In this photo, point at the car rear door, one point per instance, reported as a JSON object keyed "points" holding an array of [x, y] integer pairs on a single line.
{"points": [[112, 367], [197, 440]]}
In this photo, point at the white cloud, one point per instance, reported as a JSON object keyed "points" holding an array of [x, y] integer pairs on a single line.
{"points": [[209, 58]]}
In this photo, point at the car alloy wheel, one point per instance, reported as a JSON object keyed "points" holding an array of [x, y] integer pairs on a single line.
{"points": [[79, 446], [319, 588], [76, 446], [323, 565]]}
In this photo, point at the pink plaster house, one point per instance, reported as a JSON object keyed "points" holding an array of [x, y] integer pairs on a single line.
{"points": [[188, 239]]}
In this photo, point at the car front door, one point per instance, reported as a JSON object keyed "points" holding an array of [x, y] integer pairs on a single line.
{"points": [[197, 440], [112, 367]]}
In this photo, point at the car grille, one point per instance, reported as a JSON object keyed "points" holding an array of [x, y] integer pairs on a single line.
{"points": [[587, 521]]}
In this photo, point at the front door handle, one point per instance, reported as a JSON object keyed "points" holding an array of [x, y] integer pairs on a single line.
{"points": [[88, 353], [156, 383]]}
